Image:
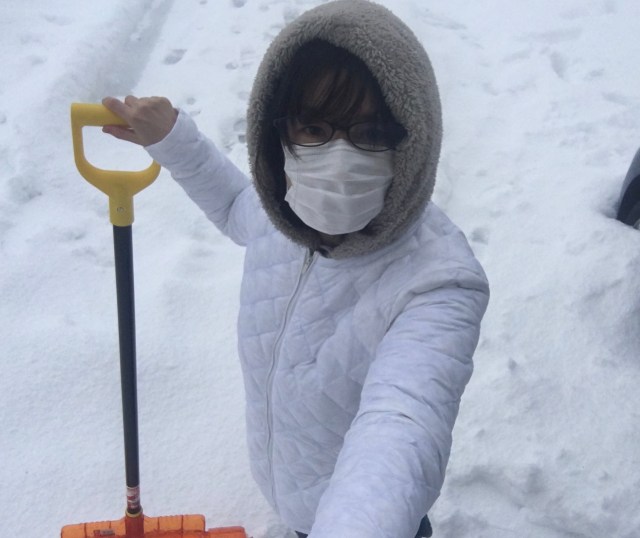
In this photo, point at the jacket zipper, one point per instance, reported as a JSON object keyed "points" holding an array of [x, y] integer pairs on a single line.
{"points": [[309, 258]]}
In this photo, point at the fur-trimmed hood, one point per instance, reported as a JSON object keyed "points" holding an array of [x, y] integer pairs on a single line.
{"points": [[402, 68]]}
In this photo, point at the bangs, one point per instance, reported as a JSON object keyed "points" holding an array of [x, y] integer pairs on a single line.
{"points": [[335, 96], [327, 82]]}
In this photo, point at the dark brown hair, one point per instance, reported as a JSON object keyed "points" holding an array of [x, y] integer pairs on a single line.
{"points": [[334, 80]]}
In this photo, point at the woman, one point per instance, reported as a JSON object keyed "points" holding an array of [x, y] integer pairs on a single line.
{"points": [[361, 302]]}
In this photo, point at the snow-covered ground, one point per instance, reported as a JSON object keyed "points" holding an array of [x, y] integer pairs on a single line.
{"points": [[542, 119]]}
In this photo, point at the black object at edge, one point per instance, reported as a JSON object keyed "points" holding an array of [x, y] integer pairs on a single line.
{"points": [[629, 206]]}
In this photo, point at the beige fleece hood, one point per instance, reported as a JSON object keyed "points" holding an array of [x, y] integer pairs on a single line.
{"points": [[402, 68]]}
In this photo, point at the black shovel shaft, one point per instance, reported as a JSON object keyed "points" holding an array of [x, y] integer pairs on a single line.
{"points": [[123, 251]]}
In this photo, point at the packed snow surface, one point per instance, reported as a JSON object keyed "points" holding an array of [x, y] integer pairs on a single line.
{"points": [[541, 118]]}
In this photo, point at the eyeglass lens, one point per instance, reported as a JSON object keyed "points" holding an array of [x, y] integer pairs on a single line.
{"points": [[369, 136]]}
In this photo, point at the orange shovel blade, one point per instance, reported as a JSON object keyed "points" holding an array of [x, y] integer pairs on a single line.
{"points": [[191, 526]]}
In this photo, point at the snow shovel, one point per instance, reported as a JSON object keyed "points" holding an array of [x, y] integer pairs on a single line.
{"points": [[121, 186]]}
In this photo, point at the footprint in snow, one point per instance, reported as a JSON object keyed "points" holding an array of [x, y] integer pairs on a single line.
{"points": [[240, 128], [618, 99], [191, 109], [439, 21], [36, 59], [559, 64], [553, 37], [23, 189], [594, 74], [518, 55], [58, 20], [480, 235], [174, 56]]}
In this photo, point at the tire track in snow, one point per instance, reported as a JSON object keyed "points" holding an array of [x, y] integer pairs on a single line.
{"points": [[46, 256], [107, 59]]}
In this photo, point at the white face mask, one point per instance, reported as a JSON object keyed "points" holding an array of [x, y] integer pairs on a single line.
{"points": [[337, 188]]}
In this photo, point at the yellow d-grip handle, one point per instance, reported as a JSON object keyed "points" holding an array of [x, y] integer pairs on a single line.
{"points": [[120, 186]]}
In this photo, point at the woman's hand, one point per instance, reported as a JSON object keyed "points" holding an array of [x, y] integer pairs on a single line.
{"points": [[149, 119]]}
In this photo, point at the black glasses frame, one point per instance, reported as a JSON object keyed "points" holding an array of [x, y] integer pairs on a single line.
{"points": [[397, 131]]}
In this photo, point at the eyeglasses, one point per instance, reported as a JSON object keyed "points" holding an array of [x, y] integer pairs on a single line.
{"points": [[365, 135]]}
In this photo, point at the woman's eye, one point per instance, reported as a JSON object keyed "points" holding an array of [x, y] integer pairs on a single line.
{"points": [[311, 133], [313, 130], [373, 133]]}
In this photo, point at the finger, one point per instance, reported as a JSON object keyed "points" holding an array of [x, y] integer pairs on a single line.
{"points": [[131, 100], [116, 106], [122, 133]]}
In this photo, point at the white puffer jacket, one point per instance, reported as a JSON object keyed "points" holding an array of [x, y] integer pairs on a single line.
{"points": [[353, 367]]}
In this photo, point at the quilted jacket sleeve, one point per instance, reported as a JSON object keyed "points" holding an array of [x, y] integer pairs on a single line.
{"points": [[391, 467], [211, 180]]}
